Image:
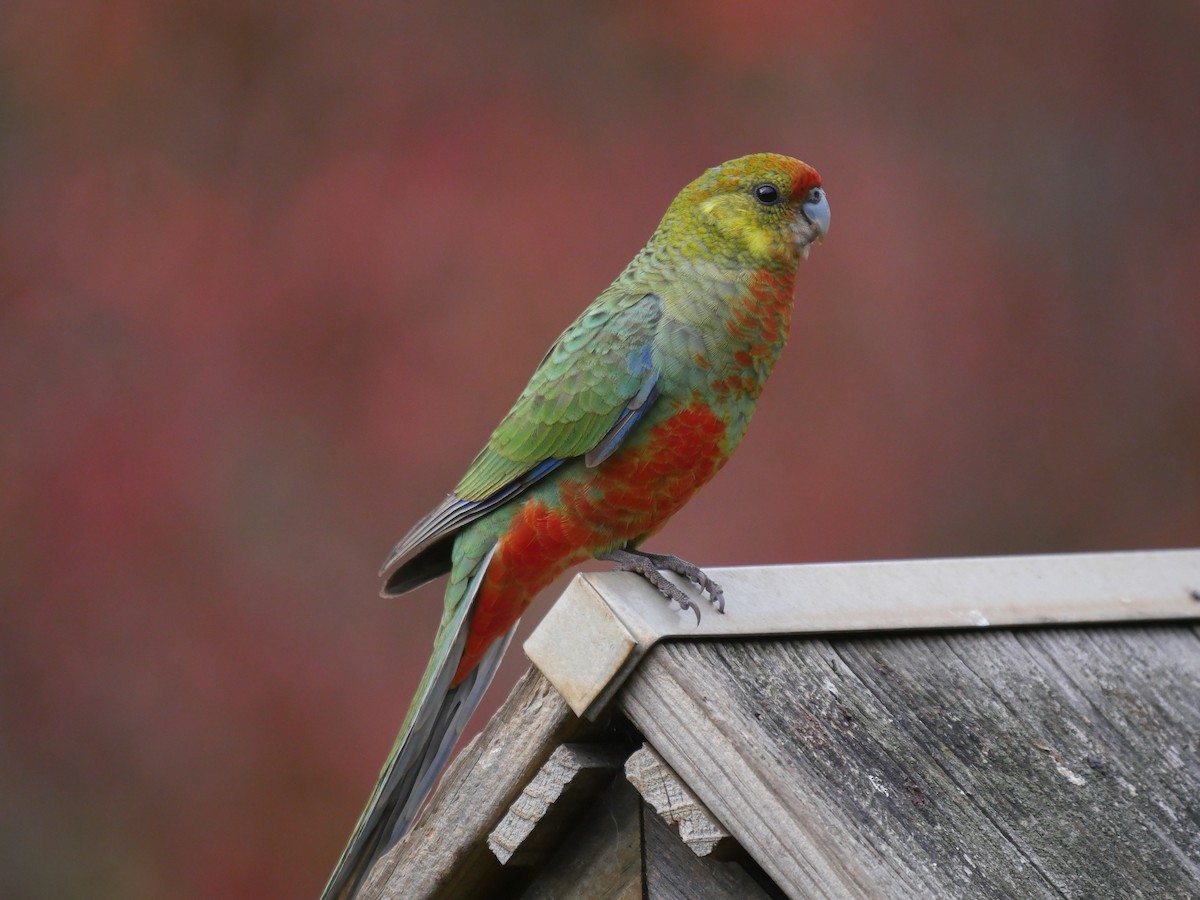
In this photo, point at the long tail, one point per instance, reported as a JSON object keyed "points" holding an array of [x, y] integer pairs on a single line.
{"points": [[433, 725]]}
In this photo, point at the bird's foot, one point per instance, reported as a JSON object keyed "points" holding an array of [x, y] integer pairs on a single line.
{"points": [[651, 567]]}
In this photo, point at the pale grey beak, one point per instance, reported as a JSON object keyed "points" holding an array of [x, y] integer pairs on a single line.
{"points": [[816, 210]]}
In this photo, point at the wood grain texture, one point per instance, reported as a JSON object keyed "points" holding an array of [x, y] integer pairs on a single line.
{"points": [[446, 854], [563, 786], [1032, 763], [601, 857], [672, 871], [674, 802], [620, 849]]}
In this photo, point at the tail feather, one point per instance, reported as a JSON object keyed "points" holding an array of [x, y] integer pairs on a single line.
{"points": [[434, 723]]}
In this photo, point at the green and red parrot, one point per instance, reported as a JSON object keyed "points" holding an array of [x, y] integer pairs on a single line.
{"points": [[635, 406]]}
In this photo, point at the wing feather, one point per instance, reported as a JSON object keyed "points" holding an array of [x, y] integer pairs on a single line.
{"points": [[592, 387], [583, 386]]}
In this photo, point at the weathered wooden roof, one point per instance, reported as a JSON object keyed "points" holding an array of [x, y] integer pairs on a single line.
{"points": [[906, 760], [602, 625]]}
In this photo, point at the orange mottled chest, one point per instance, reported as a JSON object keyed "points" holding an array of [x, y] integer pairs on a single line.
{"points": [[645, 484], [586, 512]]}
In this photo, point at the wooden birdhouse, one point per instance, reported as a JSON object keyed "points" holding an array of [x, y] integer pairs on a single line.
{"points": [[1008, 727]]}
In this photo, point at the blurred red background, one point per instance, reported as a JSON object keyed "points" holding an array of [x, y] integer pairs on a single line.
{"points": [[270, 273]]}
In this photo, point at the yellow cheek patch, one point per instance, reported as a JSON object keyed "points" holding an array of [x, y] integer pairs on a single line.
{"points": [[759, 240], [738, 224]]}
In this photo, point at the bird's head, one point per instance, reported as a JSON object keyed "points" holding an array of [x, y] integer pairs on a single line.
{"points": [[763, 210]]}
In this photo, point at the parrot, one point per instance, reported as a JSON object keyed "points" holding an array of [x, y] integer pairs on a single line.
{"points": [[636, 405]]}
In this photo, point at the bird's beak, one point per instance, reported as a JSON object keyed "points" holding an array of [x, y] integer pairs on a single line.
{"points": [[812, 223], [816, 211]]}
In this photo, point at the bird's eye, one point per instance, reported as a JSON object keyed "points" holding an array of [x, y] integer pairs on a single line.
{"points": [[766, 194]]}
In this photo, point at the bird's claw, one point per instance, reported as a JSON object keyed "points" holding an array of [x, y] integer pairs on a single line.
{"points": [[648, 565], [672, 592]]}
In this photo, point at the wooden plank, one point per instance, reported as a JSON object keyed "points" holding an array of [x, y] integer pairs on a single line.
{"points": [[674, 802], [604, 623], [674, 872], [568, 781], [601, 857], [619, 849], [1031, 763], [446, 853]]}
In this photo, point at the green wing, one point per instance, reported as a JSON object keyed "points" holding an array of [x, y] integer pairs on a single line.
{"points": [[590, 388]]}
